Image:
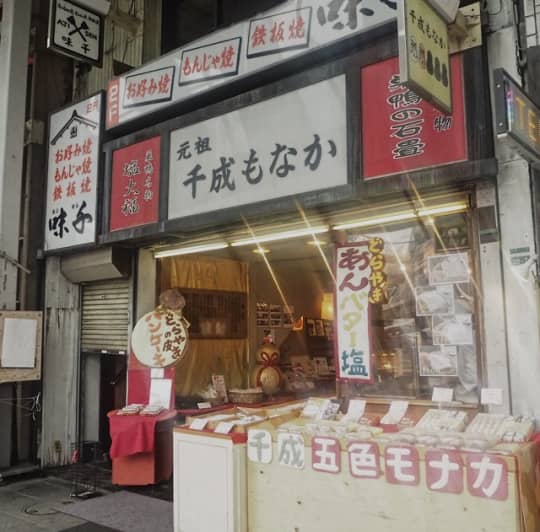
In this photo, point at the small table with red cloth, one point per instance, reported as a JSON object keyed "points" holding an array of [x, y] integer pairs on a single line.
{"points": [[141, 448]]}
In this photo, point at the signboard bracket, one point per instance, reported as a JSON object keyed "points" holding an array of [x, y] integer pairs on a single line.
{"points": [[466, 32], [11, 260]]}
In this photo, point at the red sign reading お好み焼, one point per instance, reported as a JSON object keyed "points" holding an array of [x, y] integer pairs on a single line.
{"points": [[401, 132]]}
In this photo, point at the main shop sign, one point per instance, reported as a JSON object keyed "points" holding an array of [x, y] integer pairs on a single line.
{"points": [[289, 30], [444, 471], [72, 174], [401, 132], [288, 145], [360, 283], [424, 57], [76, 31], [135, 185], [517, 116]]}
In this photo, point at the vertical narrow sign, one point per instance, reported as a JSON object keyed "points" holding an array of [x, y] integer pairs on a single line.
{"points": [[135, 185], [360, 284], [72, 176], [352, 312]]}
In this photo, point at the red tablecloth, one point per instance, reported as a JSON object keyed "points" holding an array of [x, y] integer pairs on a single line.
{"points": [[134, 434]]}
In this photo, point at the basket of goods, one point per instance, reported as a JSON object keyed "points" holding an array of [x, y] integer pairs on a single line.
{"points": [[248, 395]]}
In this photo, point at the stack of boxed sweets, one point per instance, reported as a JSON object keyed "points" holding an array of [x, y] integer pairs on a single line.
{"points": [[438, 428], [142, 410], [151, 410], [449, 429], [321, 417], [130, 410]]}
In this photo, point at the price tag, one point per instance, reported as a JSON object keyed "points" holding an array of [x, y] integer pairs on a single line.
{"points": [[313, 408], [442, 395], [204, 405], [491, 396], [157, 373], [395, 413], [224, 427], [356, 410], [198, 423]]}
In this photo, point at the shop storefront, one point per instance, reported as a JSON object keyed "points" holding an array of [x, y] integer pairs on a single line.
{"points": [[244, 203], [334, 236]]}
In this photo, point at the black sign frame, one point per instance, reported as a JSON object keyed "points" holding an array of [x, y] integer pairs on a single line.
{"points": [[53, 45], [504, 126]]}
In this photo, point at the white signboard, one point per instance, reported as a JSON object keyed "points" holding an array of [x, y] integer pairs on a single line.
{"points": [[289, 30], [149, 87], [72, 175], [19, 343], [211, 61], [160, 393], [76, 31], [231, 160], [279, 32], [491, 396]]}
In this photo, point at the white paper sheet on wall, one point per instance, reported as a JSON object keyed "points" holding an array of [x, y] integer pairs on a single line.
{"points": [[160, 392], [19, 343]]}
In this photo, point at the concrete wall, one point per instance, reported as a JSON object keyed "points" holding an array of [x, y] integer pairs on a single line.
{"points": [[60, 365], [492, 308], [517, 231]]}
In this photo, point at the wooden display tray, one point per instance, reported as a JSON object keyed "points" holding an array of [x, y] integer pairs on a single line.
{"points": [[273, 417]]}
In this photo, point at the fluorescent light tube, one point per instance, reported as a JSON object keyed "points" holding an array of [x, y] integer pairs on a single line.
{"points": [[308, 231], [189, 249], [444, 209], [376, 221]]}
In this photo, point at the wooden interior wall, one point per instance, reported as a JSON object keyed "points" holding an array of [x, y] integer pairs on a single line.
{"points": [[207, 356], [302, 282]]}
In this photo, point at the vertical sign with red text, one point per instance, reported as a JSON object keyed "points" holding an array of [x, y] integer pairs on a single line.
{"points": [[352, 312], [360, 283], [135, 185], [400, 131], [73, 167]]}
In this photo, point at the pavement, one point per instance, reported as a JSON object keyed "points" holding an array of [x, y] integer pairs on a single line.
{"points": [[35, 505], [41, 502]]}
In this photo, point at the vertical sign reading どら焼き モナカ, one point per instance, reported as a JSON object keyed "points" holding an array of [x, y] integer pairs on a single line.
{"points": [[360, 283], [72, 176]]}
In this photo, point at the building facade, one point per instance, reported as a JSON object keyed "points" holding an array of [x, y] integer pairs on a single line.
{"points": [[278, 119]]}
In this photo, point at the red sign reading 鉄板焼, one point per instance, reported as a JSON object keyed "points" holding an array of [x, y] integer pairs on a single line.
{"points": [[135, 185], [401, 132]]}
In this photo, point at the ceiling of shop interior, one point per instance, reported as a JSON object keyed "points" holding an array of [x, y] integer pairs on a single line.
{"points": [[292, 250]]}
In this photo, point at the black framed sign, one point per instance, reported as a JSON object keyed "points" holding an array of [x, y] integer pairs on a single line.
{"points": [[76, 31], [517, 116]]}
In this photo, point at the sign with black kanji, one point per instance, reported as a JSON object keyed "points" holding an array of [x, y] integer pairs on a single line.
{"points": [[76, 31]]}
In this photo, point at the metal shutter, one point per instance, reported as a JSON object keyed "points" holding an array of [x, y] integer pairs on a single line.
{"points": [[105, 316]]}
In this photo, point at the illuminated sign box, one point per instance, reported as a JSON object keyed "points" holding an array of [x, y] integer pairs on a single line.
{"points": [[517, 116]]}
